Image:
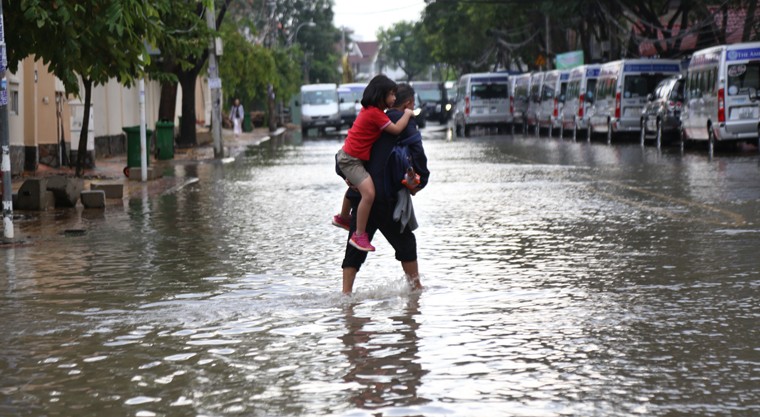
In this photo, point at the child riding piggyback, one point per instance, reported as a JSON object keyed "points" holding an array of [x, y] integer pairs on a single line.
{"points": [[379, 95]]}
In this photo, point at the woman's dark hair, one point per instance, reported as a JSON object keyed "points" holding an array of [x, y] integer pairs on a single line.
{"points": [[377, 90], [404, 93]]}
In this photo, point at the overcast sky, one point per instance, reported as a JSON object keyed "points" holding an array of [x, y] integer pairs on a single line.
{"points": [[365, 17]]}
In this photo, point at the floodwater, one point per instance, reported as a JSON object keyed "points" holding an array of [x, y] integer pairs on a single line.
{"points": [[562, 279]]}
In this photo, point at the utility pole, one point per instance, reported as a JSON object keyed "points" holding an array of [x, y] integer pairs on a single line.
{"points": [[215, 85], [5, 137], [270, 40]]}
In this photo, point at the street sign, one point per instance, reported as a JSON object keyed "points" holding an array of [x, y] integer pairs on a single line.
{"points": [[540, 60], [569, 60]]}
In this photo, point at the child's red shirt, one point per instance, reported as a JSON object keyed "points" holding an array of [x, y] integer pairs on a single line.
{"points": [[365, 131]]}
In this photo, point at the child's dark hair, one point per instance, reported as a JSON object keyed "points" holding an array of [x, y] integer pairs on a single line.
{"points": [[404, 93], [377, 90]]}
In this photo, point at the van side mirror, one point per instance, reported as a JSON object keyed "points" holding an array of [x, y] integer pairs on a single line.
{"points": [[650, 97], [296, 103], [342, 100]]}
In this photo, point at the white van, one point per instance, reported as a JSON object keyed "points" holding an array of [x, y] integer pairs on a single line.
{"points": [[552, 100], [722, 97], [350, 96], [518, 100], [621, 93], [534, 100], [482, 100], [319, 107], [580, 90]]}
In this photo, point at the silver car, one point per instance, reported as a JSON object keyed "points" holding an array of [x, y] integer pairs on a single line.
{"points": [[661, 116]]}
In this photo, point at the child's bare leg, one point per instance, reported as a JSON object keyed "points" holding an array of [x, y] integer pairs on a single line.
{"points": [[345, 209], [367, 190]]}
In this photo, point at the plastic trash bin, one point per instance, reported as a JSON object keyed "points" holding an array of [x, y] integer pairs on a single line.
{"points": [[133, 145], [247, 126], [164, 140]]}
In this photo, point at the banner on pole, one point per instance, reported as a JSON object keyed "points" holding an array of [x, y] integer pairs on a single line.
{"points": [[569, 60]]}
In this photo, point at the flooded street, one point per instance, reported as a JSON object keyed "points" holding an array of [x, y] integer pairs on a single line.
{"points": [[562, 279]]}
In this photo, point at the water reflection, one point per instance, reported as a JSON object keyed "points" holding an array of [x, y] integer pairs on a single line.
{"points": [[384, 357]]}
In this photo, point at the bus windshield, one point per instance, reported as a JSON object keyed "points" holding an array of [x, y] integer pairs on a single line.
{"points": [[640, 85], [743, 78]]}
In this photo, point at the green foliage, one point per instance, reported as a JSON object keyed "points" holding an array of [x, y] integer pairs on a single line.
{"points": [[96, 39], [245, 68], [405, 45]]}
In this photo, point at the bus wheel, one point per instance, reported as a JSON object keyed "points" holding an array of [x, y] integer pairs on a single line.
{"points": [[609, 132], [575, 131], [659, 133], [467, 131], [643, 131]]}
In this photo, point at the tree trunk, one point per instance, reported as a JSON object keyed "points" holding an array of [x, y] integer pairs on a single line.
{"points": [[167, 105], [82, 148], [187, 135]]}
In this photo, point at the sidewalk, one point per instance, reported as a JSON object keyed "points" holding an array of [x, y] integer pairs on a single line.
{"points": [[111, 170]]}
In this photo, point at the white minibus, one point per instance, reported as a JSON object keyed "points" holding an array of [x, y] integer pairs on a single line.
{"points": [[319, 107], [722, 99], [621, 93], [534, 99], [518, 100], [350, 96], [580, 89], [552, 100], [482, 100]]}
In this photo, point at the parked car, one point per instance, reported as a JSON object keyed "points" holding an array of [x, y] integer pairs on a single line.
{"points": [[722, 100], [319, 107], [662, 113], [451, 96], [433, 97], [482, 100], [621, 93], [350, 96], [420, 113]]}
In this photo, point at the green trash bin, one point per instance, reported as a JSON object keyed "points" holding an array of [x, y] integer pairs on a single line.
{"points": [[247, 126], [164, 140], [133, 145]]}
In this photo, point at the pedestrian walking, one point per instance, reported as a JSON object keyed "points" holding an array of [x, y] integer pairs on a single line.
{"points": [[397, 230], [236, 117], [371, 122]]}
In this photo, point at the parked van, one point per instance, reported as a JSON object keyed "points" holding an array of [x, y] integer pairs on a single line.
{"points": [[721, 89], [552, 99], [534, 100], [350, 97], [518, 100], [319, 107], [621, 93], [482, 100], [580, 91]]}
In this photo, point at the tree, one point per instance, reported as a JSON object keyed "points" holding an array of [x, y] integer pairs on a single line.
{"points": [[96, 40], [404, 46], [185, 55]]}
